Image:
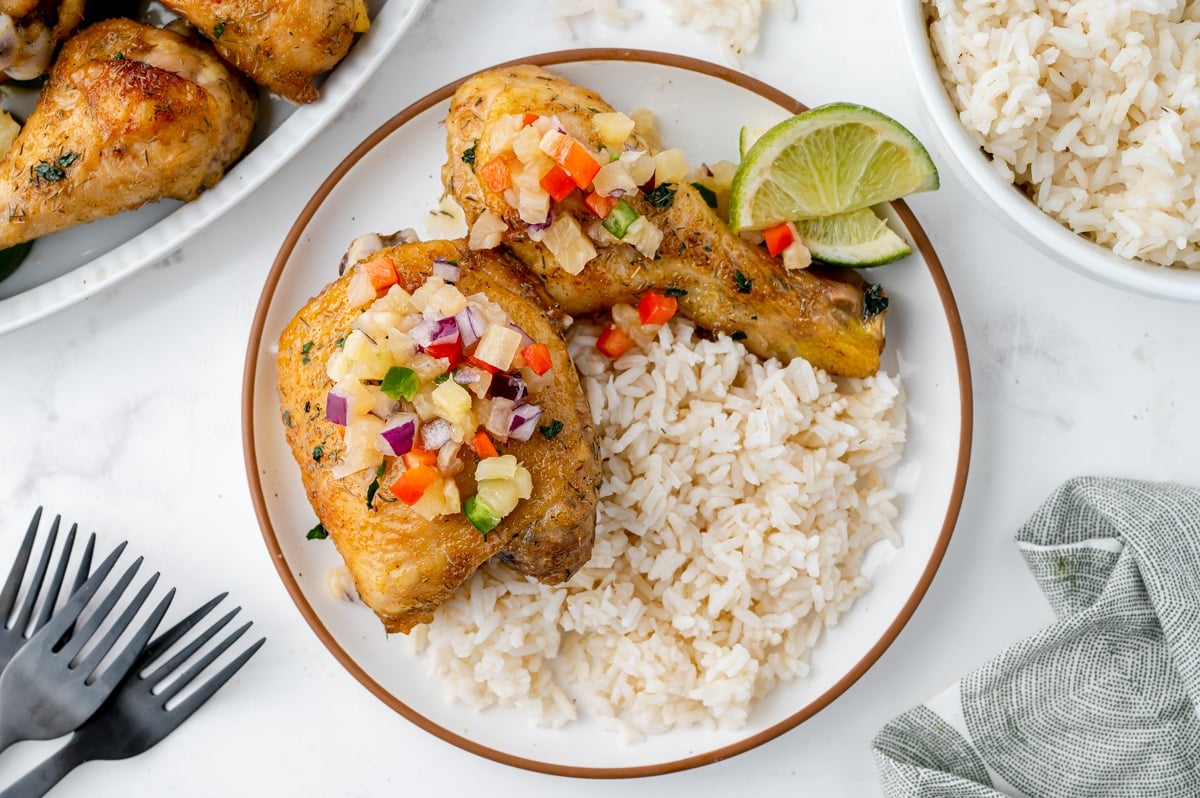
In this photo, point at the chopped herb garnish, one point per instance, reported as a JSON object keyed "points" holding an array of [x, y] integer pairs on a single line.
{"points": [[874, 302], [52, 171], [706, 193], [744, 284], [373, 488], [468, 156], [738, 335], [317, 533], [552, 429], [341, 342], [439, 379], [676, 292], [318, 452], [681, 248], [307, 406], [401, 383], [304, 350], [707, 248], [287, 417], [218, 29], [662, 196], [120, 56]]}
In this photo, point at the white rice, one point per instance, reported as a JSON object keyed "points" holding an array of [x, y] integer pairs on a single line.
{"points": [[739, 498], [1091, 107], [736, 23]]}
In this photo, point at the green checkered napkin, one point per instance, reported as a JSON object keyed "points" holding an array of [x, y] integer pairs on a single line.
{"points": [[1103, 702]]}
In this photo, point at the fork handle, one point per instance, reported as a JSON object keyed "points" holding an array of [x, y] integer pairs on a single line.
{"points": [[38, 781]]}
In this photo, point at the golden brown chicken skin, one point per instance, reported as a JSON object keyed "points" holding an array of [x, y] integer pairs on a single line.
{"points": [[130, 114], [281, 44], [731, 285], [403, 565]]}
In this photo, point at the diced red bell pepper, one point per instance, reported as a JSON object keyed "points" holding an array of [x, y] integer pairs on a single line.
{"points": [[614, 341], [452, 351], [656, 308], [479, 364], [600, 204], [483, 445], [413, 483], [574, 158], [778, 238], [496, 174], [382, 273], [557, 183], [419, 456], [529, 119], [537, 357]]}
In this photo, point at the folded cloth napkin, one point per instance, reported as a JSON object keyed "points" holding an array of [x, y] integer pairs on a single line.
{"points": [[1104, 701]]}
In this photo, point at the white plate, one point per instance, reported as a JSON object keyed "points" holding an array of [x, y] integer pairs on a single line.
{"points": [[67, 267], [390, 182]]}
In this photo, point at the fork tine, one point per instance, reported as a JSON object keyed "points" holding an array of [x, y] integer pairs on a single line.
{"points": [[92, 660], [120, 666], [39, 576], [85, 562], [191, 648], [185, 678], [65, 618], [8, 596], [159, 645], [56, 581], [205, 691], [89, 627]]}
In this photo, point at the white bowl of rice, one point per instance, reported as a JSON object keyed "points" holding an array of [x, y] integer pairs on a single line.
{"points": [[1078, 124]]}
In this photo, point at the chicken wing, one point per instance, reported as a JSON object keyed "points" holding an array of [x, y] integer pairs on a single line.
{"points": [[31, 30], [404, 566], [724, 283], [129, 115], [280, 44]]}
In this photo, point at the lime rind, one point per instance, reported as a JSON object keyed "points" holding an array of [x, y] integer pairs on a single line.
{"points": [[856, 238], [829, 160]]}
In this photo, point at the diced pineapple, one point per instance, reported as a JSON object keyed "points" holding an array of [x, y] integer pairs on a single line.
{"points": [[357, 345], [396, 300], [433, 502], [502, 467], [533, 206], [422, 403], [451, 400], [402, 347], [487, 232], [566, 241], [338, 366], [360, 290], [501, 495], [644, 235], [670, 166], [501, 134], [615, 176], [359, 399], [641, 166], [361, 435], [450, 496], [613, 127], [524, 482], [427, 367], [645, 126], [525, 146], [498, 345], [420, 297], [447, 300]]}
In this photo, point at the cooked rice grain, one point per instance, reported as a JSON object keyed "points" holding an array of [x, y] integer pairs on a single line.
{"points": [[1091, 107], [739, 498]]}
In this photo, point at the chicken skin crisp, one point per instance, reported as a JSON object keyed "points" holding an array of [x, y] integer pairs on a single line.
{"points": [[130, 114], [731, 285], [280, 44], [403, 565]]}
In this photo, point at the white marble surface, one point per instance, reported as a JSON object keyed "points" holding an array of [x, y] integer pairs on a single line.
{"points": [[123, 413]]}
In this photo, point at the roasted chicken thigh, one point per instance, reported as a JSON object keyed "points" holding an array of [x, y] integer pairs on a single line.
{"points": [[404, 565], [281, 44], [724, 283], [130, 114]]}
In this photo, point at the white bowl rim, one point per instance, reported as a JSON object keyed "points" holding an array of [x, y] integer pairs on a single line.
{"points": [[1008, 203]]}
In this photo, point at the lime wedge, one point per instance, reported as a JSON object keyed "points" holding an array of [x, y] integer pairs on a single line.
{"points": [[832, 159], [855, 238]]}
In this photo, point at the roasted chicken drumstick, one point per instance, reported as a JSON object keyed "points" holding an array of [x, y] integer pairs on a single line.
{"points": [[31, 30], [129, 115], [723, 282]]}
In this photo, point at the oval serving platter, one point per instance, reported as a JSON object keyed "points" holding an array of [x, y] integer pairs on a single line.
{"points": [[391, 181], [70, 266]]}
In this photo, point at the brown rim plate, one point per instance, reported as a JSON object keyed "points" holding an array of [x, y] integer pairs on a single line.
{"points": [[390, 181]]}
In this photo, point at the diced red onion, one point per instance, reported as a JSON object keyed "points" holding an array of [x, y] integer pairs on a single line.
{"points": [[337, 407], [467, 375], [435, 434], [450, 272], [500, 417], [542, 226], [398, 434], [525, 339], [707, 171], [429, 332], [446, 455], [524, 422], [471, 323], [385, 405], [509, 386]]}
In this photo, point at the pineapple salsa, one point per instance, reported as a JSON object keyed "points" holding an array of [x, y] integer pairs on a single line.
{"points": [[423, 375]]}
